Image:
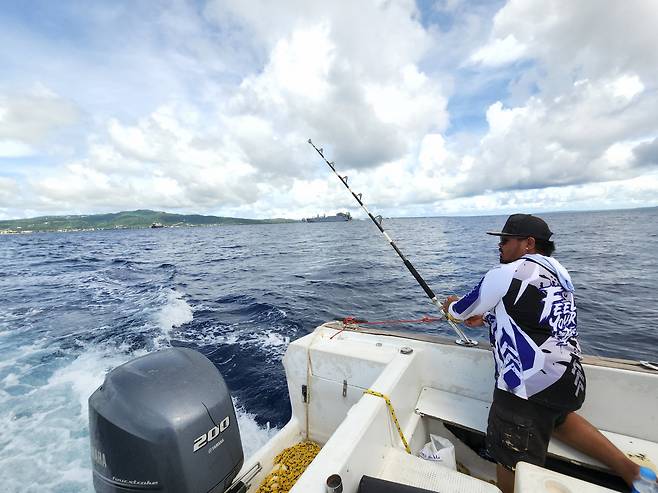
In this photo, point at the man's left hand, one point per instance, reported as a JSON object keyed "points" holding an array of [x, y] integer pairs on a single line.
{"points": [[450, 300]]}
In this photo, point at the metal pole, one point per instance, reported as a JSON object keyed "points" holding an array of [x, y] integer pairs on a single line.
{"points": [[463, 340]]}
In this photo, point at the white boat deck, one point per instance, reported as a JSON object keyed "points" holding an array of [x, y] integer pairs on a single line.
{"points": [[401, 467]]}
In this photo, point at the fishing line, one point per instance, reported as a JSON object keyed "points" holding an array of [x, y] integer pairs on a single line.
{"points": [[463, 340]]}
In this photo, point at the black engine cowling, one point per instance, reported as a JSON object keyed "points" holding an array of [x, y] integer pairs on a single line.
{"points": [[164, 422]]}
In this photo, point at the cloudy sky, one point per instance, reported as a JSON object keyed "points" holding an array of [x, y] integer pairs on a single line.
{"points": [[444, 107]]}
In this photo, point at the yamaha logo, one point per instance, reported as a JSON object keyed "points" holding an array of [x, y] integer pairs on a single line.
{"points": [[98, 457], [210, 435]]}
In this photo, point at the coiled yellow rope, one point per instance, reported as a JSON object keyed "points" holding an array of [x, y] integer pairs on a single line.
{"points": [[392, 412], [288, 466]]}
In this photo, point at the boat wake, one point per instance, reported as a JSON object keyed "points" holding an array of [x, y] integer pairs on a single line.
{"points": [[173, 314], [45, 383]]}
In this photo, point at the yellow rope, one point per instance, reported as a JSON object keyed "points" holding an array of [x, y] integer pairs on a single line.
{"points": [[392, 411], [289, 465]]}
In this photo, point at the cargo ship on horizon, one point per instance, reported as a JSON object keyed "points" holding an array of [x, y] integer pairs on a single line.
{"points": [[339, 217]]}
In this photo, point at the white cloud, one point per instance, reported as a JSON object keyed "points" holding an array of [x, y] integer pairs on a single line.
{"points": [[627, 86], [499, 52], [28, 118], [325, 77], [214, 116], [167, 160], [131, 141], [14, 148], [646, 153], [8, 190], [636, 192], [592, 102], [361, 31], [584, 38]]}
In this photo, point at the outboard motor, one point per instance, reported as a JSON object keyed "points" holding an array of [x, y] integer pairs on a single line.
{"points": [[164, 422]]}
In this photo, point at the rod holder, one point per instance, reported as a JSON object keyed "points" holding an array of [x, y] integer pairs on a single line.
{"points": [[334, 484]]}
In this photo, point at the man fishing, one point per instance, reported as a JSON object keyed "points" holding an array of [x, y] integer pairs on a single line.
{"points": [[528, 304]]}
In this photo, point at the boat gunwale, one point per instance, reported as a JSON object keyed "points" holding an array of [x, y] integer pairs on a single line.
{"points": [[602, 361]]}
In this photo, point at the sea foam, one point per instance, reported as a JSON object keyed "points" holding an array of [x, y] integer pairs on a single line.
{"points": [[174, 313], [45, 432], [44, 435]]}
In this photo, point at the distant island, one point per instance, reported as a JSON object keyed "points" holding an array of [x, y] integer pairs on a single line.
{"points": [[123, 220]]}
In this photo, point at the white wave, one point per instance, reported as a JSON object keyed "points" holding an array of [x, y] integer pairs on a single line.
{"points": [[174, 313], [252, 435], [10, 380], [33, 311], [87, 372], [213, 336], [271, 341], [44, 422], [44, 428], [277, 311]]}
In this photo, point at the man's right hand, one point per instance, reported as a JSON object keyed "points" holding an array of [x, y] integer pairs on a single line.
{"points": [[475, 321]]}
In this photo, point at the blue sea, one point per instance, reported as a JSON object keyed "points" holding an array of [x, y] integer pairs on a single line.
{"points": [[75, 305]]}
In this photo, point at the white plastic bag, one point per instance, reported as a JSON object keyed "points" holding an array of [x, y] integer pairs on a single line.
{"points": [[441, 450]]}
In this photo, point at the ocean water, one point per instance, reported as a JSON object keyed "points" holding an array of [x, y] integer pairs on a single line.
{"points": [[75, 305]]}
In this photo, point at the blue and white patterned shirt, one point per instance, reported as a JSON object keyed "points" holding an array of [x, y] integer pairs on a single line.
{"points": [[529, 306]]}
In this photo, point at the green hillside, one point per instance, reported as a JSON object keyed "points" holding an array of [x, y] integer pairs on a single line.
{"points": [[126, 219]]}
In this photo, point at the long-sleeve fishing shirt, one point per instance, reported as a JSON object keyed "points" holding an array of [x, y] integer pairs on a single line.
{"points": [[530, 309]]}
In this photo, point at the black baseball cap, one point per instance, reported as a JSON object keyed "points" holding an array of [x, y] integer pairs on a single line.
{"points": [[525, 225]]}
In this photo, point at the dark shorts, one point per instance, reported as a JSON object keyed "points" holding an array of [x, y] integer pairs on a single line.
{"points": [[519, 430]]}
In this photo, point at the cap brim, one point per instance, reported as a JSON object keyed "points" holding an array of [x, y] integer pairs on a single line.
{"points": [[494, 233]]}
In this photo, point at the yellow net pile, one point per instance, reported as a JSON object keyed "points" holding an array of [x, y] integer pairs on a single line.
{"points": [[288, 466]]}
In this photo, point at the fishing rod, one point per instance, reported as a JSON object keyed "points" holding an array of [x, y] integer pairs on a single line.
{"points": [[463, 340]]}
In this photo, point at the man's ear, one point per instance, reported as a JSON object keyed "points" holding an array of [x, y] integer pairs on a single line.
{"points": [[531, 243]]}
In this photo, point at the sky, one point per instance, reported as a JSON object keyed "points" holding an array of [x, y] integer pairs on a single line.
{"points": [[447, 107]]}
